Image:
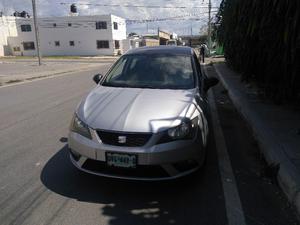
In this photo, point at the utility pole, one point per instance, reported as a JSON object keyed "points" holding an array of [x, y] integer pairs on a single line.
{"points": [[158, 32], [209, 26], [37, 40], [147, 27]]}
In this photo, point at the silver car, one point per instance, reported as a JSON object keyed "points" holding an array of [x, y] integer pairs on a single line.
{"points": [[146, 119]]}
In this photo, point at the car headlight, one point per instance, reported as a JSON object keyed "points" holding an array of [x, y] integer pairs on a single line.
{"points": [[78, 126], [186, 130], [180, 131]]}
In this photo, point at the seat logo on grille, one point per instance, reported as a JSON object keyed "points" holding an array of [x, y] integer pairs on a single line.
{"points": [[122, 139]]}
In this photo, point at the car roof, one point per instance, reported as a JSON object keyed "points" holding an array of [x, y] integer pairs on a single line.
{"points": [[174, 50]]}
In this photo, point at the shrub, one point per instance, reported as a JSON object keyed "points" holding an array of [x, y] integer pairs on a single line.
{"points": [[261, 40]]}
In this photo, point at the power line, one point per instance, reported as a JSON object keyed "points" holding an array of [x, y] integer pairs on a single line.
{"points": [[181, 17], [165, 19], [140, 6]]}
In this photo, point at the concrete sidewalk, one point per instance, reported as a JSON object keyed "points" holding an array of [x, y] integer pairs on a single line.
{"points": [[59, 58], [11, 72], [276, 129]]}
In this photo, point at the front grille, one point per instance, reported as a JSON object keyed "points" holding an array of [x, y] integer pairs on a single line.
{"points": [[132, 139]]}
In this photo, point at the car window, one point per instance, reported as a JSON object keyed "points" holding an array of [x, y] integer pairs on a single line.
{"points": [[152, 71], [117, 70]]}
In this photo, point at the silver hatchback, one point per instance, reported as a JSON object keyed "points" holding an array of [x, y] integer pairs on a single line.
{"points": [[146, 119]]}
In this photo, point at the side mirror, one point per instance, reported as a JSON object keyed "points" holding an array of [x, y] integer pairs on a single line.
{"points": [[210, 82], [97, 78]]}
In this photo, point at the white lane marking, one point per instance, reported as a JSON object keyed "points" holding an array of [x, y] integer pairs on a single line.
{"points": [[234, 210], [53, 76]]}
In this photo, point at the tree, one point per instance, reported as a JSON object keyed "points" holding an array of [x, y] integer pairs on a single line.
{"points": [[132, 34], [262, 40]]}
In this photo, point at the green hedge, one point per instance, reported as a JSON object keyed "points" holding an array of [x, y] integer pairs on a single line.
{"points": [[261, 39]]}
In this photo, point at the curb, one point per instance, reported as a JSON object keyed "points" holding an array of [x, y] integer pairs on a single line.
{"points": [[6, 82], [273, 151]]}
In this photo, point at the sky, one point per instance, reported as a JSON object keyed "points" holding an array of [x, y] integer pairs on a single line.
{"points": [[189, 20]]}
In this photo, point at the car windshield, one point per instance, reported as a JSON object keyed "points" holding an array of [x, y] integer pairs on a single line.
{"points": [[152, 71]]}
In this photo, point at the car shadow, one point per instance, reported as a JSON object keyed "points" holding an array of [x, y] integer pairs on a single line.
{"points": [[135, 202]]}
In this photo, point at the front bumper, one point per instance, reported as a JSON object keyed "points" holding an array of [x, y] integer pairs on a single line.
{"points": [[155, 162]]}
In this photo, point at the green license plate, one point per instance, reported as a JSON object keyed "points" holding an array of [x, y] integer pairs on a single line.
{"points": [[121, 160]]}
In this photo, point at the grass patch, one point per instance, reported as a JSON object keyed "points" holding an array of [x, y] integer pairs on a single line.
{"points": [[219, 62], [211, 63], [33, 78], [13, 81]]}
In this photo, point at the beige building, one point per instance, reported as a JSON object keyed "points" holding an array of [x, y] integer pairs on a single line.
{"points": [[150, 42], [163, 37]]}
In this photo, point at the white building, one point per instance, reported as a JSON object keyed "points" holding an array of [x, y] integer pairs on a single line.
{"points": [[131, 43], [72, 35]]}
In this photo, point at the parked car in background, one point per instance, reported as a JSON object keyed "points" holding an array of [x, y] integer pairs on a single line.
{"points": [[146, 119]]}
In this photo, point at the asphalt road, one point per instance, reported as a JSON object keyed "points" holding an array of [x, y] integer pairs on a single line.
{"points": [[38, 184]]}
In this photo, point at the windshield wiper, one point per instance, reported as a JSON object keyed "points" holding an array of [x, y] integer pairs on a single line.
{"points": [[148, 86], [115, 85]]}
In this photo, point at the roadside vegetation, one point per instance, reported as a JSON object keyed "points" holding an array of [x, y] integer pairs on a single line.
{"points": [[261, 40]]}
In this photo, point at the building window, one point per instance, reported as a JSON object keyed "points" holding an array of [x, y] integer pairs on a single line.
{"points": [[16, 49], [69, 24], [54, 25], [117, 44], [102, 44], [101, 25], [115, 26], [26, 28], [57, 43], [72, 43], [28, 45]]}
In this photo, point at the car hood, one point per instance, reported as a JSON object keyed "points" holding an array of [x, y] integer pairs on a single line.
{"points": [[135, 109]]}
